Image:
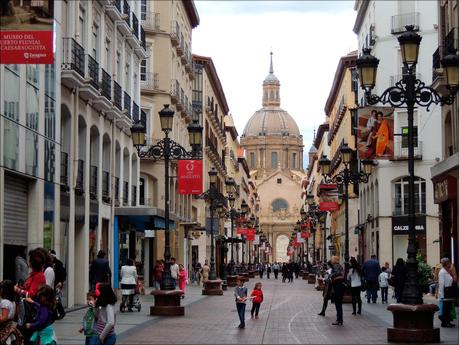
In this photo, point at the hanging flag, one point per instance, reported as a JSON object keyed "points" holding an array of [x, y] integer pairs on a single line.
{"points": [[250, 236], [241, 231], [328, 196], [189, 176], [305, 234]]}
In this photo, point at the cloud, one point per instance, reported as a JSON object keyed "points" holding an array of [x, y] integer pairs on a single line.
{"points": [[307, 46]]}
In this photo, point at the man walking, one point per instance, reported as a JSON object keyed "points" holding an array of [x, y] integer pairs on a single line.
{"points": [[99, 271], [276, 270], [371, 270]]}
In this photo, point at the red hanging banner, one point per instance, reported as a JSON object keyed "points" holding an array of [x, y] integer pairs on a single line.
{"points": [[328, 206], [189, 176], [250, 236], [241, 231], [305, 234]]}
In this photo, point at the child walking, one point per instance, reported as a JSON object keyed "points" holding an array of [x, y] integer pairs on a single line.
{"points": [[257, 298], [240, 292], [42, 328], [89, 318], [384, 284], [105, 316]]}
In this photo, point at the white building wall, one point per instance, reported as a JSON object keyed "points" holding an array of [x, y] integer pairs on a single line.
{"points": [[386, 48]]}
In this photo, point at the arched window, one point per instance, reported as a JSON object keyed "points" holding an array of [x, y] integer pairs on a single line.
{"points": [[279, 204], [401, 196]]}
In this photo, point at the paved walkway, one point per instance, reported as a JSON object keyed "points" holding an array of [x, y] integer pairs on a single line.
{"points": [[287, 316]]}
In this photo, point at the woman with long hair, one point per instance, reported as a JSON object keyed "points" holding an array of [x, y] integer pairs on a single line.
{"points": [[397, 279], [337, 278], [355, 277]]}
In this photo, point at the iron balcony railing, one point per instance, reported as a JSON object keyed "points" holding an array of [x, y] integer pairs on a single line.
{"points": [[80, 176], [73, 56], [127, 104], [117, 95], [135, 25], [106, 85], [135, 112], [151, 81], [117, 188], [134, 195], [117, 4], [125, 193], [399, 21], [106, 186], [93, 182], [93, 71], [127, 12], [452, 41], [142, 38], [401, 148], [175, 31], [65, 168], [151, 21]]}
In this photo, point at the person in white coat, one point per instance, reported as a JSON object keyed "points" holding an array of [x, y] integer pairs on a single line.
{"points": [[446, 279], [128, 284]]}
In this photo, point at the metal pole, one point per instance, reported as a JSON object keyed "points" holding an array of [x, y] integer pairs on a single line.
{"points": [[346, 217], [232, 230], [325, 244], [212, 273], [411, 293], [166, 281], [314, 246]]}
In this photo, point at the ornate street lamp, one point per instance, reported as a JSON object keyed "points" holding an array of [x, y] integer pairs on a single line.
{"points": [[166, 149], [344, 178], [408, 93]]}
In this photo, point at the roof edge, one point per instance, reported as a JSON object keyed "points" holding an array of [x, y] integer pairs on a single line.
{"points": [[192, 12]]}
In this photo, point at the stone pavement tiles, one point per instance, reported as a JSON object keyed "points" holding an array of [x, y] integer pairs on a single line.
{"points": [[67, 328], [288, 315]]}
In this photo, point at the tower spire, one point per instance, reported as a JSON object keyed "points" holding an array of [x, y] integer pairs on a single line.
{"points": [[271, 70]]}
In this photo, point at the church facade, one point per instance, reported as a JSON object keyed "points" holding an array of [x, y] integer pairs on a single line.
{"points": [[274, 152]]}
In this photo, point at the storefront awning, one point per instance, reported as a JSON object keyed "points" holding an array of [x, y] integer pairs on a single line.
{"points": [[141, 218]]}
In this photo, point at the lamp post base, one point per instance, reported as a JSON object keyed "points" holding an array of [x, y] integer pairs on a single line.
{"points": [[245, 276], [251, 274], [167, 303], [213, 288], [231, 280], [413, 324], [311, 278]]}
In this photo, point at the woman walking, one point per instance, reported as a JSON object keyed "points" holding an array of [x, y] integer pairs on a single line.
{"points": [[205, 271], [397, 279], [328, 290], [128, 285], [355, 277], [337, 278]]}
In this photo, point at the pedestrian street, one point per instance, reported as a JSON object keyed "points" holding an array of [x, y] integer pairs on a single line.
{"points": [[288, 315]]}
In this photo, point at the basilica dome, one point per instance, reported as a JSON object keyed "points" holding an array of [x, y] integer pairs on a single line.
{"points": [[271, 120]]}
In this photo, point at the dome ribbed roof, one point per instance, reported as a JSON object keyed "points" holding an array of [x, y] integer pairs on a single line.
{"points": [[271, 121]]}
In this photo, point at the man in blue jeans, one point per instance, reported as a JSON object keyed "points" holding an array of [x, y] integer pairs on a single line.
{"points": [[240, 293], [371, 270]]}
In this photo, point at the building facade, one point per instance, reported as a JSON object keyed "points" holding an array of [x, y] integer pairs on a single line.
{"points": [[384, 199], [274, 150], [445, 172]]}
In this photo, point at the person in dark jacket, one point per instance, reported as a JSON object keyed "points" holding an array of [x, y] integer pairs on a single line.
{"points": [[99, 271], [397, 279], [370, 271]]}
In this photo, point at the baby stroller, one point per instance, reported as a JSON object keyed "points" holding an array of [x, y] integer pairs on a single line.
{"points": [[130, 298]]}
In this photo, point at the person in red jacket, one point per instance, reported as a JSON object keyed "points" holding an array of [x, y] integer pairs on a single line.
{"points": [[257, 298], [36, 278]]}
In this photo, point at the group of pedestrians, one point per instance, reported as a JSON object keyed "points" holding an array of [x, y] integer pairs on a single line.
{"points": [[30, 304], [179, 275]]}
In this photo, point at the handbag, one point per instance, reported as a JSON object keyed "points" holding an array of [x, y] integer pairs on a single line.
{"points": [[338, 278], [27, 312]]}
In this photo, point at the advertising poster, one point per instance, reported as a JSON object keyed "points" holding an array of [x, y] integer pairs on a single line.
{"points": [[328, 197], [190, 176], [375, 133], [26, 31]]}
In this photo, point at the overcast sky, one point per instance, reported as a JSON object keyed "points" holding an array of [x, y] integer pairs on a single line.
{"points": [[307, 39]]}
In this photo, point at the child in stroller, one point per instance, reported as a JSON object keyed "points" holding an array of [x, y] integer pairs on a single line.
{"points": [[129, 287]]}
